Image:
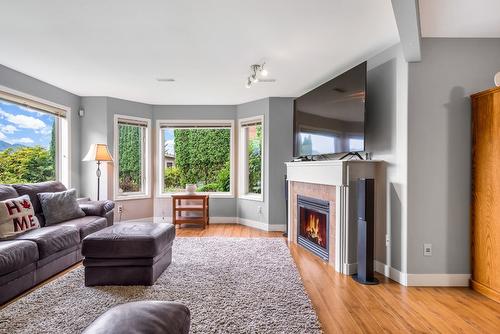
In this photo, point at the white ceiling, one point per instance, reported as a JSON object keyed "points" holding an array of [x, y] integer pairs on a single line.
{"points": [[118, 48], [460, 18]]}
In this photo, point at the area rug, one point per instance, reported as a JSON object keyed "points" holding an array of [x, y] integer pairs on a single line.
{"points": [[231, 285]]}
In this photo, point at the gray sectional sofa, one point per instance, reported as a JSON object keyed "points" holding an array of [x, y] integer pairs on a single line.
{"points": [[32, 257]]}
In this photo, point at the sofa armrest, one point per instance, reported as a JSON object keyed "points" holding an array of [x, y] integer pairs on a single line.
{"points": [[97, 208], [82, 200]]}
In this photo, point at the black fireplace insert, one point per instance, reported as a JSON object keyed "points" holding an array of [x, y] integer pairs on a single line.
{"points": [[313, 220]]}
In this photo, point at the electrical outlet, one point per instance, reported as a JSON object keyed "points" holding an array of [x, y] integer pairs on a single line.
{"points": [[120, 208], [427, 249], [259, 210], [387, 240]]}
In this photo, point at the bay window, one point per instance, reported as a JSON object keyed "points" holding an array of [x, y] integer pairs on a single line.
{"points": [[195, 152], [132, 156], [34, 139], [251, 165]]}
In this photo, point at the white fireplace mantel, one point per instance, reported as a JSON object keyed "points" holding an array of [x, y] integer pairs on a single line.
{"points": [[342, 174]]}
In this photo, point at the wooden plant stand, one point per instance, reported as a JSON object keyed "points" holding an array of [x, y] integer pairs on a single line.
{"points": [[201, 206]]}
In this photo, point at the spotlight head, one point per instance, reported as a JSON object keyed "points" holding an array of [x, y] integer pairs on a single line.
{"points": [[264, 72]]}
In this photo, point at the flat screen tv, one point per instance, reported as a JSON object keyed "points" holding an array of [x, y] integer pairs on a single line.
{"points": [[331, 118]]}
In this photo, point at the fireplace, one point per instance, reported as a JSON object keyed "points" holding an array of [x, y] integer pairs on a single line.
{"points": [[313, 218]]}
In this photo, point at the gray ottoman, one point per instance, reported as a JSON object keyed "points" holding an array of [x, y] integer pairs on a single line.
{"points": [[127, 254], [152, 317]]}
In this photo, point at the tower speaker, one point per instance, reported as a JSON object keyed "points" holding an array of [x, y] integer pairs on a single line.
{"points": [[365, 220]]}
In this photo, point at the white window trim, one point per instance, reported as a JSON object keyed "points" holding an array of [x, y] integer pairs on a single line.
{"points": [[159, 166], [147, 158], [63, 134], [242, 160]]}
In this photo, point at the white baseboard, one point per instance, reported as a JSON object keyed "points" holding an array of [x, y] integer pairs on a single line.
{"points": [[350, 268], [381, 268], [260, 225], [252, 223], [398, 276], [219, 220], [276, 228], [429, 280], [438, 279], [223, 220], [389, 272], [140, 220]]}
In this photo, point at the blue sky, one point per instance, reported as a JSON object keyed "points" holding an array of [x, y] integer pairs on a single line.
{"points": [[168, 135], [21, 125]]}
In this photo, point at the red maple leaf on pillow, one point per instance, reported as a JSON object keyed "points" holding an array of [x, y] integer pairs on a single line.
{"points": [[26, 204]]}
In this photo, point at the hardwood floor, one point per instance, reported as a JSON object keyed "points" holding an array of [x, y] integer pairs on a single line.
{"points": [[344, 306], [225, 230]]}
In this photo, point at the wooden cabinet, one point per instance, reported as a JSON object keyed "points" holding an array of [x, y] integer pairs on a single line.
{"points": [[485, 210]]}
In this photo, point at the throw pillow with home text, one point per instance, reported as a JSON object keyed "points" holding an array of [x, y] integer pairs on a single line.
{"points": [[17, 216]]}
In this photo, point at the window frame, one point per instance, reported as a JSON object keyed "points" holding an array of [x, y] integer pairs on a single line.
{"points": [[63, 128], [243, 160], [160, 171], [146, 177]]}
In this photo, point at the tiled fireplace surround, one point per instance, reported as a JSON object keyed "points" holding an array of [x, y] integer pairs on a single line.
{"points": [[318, 191]]}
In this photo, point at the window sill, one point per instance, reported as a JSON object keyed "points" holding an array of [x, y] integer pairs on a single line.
{"points": [[212, 195], [131, 197], [252, 197]]}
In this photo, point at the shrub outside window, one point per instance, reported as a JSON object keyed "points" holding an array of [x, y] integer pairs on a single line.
{"points": [[196, 152], [251, 150], [33, 140], [132, 157]]}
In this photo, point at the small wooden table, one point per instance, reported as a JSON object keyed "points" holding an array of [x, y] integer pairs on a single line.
{"points": [[201, 206]]}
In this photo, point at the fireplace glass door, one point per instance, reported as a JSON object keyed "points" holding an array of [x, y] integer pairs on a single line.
{"points": [[313, 223]]}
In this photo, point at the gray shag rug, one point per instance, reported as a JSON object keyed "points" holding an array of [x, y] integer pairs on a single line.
{"points": [[231, 285]]}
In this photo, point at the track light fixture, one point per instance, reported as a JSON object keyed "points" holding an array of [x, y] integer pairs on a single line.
{"points": [[255, 71]]}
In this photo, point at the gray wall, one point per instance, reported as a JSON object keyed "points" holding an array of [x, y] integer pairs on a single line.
{"points": [[278, 148], [219, 207], [249, 209], [124, 107], [280, 151], [93, 127], [97, 126], [386, 138], [28, 85], [439, 173], [137, 208]]}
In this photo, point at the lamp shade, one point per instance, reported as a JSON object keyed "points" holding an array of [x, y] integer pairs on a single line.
{"points": [[98, 152]]}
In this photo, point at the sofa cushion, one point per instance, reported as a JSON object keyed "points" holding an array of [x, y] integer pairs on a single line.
{"points": [[60, 206], [33, 189], [16, 254], [143, 317], [52, 239], [17, 216], [7, 192], [129, 240], [86, 225]]}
